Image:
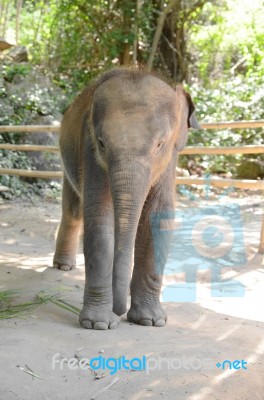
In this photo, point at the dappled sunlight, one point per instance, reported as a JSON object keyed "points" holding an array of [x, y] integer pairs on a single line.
{"points": [[21, 261], [40, 269], [206, 391], [4, 224], [52, 220], [77, 274], [252, 358], [200, 321], [239, 293], [248, 306], [12, 259], [202, 395], [228, 333], [226, 374], [10, 241], [41, 264], [258, 351]]}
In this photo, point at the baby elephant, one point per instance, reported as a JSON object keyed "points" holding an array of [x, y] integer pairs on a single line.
{"points": [[119, 143]]}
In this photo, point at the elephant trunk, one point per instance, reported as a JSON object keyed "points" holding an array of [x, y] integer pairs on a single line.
{"points": [[129, 182]]}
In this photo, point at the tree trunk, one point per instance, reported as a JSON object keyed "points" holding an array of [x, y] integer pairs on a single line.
{"points": [[158, 32], [5, 16], [124, 57], [135, 42], [18, 12]]}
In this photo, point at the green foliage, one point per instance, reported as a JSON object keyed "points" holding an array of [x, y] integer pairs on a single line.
{"points": [[229, 39], [8, 71], [10, 310], [25, 94], [216, 46], [81, 38], [231, 99]]}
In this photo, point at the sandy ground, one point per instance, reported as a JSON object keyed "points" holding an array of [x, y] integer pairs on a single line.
{"points": [[181, 357]]}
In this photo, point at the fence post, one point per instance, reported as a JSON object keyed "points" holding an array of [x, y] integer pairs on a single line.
{"points": [[261, 245]]}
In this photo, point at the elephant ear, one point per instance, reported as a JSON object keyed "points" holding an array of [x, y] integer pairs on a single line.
{"points": [[72, 136], [185, 117], [192, 121]]}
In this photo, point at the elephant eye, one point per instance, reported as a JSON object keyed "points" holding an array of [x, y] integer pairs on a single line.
{"points": [[101, 143]]}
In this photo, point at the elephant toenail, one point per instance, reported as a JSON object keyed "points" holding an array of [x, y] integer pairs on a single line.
{"points": [[114, 325], [145, 322], [100, 325], [160, 322], [86, 324]]}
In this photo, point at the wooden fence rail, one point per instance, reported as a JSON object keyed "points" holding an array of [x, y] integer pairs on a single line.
{"points": [[29, 128], [205, 125], [31, 173], [252, 149]]}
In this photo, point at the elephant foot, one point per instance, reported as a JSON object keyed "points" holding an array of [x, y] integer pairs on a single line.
{"points": [[98, 318], [147, 315], [64, 264]]}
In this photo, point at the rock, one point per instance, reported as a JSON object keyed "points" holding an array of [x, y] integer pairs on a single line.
{"points": [[2, 88], [18, 54], [17, 79], [7, 111], [182, 172], [36, 91], [250, 169], [5, 44], [44, 161]]}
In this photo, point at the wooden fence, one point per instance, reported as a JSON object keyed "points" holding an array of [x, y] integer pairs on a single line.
{"points": [[243, 183]]}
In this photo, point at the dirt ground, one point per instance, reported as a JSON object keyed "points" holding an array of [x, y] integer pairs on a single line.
{"points": [[181, 356]]}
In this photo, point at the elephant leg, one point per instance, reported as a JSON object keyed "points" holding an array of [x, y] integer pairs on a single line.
{"points": [[68, 234], [97, 312], [151, 250]]}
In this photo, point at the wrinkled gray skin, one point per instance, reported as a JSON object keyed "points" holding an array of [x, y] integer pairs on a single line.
{"points": [[119, 144]]}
